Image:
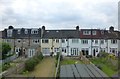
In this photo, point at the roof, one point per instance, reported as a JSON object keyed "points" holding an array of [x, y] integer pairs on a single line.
{"points": [[61, 34], [70, 34], [52, 34]]}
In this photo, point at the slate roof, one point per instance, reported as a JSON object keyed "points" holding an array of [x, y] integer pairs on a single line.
{"points": [[70, 34], [22, 34], [61, 34], [52, 34]]}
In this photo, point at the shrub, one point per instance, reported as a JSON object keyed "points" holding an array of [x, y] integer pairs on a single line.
{"points": [[57, 56], [5, 66], [88, 56], [40, 57], [99, 66], [102, 54], [30, 64]]}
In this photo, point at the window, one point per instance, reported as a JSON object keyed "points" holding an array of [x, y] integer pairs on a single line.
{"points": [[57, 40], [34, 31], [102, 32], [75, 40], [96, 41], [74, 51], [64, 50], [18, 31], [35, 40], [86, 32], [8, 40], [45, 41], [85, 51], [19, 40], [9, 33], [102, 41], [93, 32], [26, 31], [113, 41], [56, 49], [84, 41], [63, 40]]}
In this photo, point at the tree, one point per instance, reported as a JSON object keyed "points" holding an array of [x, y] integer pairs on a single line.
{"points": [[5, 49]]}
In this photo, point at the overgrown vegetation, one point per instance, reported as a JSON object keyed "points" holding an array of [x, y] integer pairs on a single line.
{"points": [[5, 66], [32, 62], [70, 61], [107, 63], [5, 49]]}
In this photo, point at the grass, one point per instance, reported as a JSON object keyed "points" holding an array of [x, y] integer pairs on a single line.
{"points": [[45, 68], [70, 61], [105, 65]]}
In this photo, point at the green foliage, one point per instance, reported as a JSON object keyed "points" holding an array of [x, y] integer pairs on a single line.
{"points": [[5, 49], [105, 65], [40, 57], [57, 56], [32, 62], [88, 56], [103, 54], [5, 66]]}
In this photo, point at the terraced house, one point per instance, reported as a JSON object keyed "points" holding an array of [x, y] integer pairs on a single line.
{"points": [[70, 42]]}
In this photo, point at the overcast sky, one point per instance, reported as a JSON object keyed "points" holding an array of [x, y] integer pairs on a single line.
{"points": [[56, 14]]}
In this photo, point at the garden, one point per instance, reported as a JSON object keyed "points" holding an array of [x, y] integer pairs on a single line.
{"points": [[108, 63]]}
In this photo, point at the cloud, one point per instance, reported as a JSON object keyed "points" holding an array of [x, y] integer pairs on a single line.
{"points": [[59, 13]]}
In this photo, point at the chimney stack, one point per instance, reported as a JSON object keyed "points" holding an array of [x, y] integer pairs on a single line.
{"points": [[111, 29], [77, 28], [42, 31]]}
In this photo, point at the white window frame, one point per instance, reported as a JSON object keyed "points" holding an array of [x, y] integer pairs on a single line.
{"points": [[18, 31], [84, 41], [9, 33], [93, 32], [34, 31], [26, 31], [44, 40], [36, 41], [75, 40], [86, 32], [114, 41]]}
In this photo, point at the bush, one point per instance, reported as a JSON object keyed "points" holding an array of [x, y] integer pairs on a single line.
{"points": [[99, 66], [40, 56], [5, 66], [30, 64], [57, 56], [102, 54], [88, 56]]}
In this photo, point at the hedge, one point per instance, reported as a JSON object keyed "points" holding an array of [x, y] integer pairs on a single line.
{"points": [[32, 62]]}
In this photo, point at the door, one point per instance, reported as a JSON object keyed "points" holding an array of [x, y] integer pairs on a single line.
{"points": [[94, 52], [46, 52]]}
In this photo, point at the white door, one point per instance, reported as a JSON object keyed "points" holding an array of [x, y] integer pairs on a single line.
{"points": [[46, 51]]}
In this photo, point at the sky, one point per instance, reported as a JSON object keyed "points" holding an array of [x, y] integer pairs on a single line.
{"points": [[59, 14]]}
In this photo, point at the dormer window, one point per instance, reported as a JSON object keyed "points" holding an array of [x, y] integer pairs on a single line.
{"points": [[26, 31], [86, 32], [57, 31], [34, 31], [93, 32], [9, 33], [102, 32], [18, 31]]}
